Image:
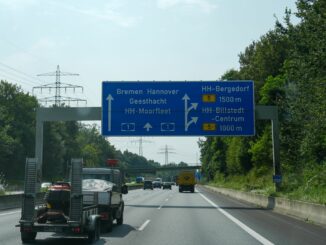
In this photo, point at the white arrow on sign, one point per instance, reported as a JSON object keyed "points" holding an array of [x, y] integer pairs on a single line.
{"points": [[193, 120], [193, 106], [186, 98], [187, 110], [148, 126], [109, 99]]}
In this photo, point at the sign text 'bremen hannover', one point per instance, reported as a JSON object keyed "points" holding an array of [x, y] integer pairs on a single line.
{"points": [[178, 108]]}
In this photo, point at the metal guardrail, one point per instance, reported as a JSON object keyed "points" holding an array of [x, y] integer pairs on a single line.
{"points": [[15, 201], [158, 169]]}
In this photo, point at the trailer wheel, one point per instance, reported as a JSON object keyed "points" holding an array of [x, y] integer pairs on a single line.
{"points": [[98, 230], [94, 235], [109, 223], [28, 237], [120, 219], [91, 237]]}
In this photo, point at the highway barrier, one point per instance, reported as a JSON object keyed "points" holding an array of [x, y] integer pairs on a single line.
{"points": [[15, 201], [315, 213]]}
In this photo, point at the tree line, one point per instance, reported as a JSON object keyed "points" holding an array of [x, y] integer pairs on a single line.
{"points": [[288, 67], [62, 140]]}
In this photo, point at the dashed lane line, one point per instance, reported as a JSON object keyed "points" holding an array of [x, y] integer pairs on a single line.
{"points": [[142, 227]]}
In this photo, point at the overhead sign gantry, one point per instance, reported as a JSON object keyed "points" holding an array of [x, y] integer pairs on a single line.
{"points": [[178, 108], [196, 108]]}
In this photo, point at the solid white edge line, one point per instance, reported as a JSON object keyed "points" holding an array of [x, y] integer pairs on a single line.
{"points": [[142, 227], [250, 231], [3, 214]]}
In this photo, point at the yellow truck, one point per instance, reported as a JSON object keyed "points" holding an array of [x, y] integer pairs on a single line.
{"points": [[186, 181]]}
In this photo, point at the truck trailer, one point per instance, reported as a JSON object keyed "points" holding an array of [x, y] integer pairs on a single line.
{"points": [[79, 207], [186, 181]]}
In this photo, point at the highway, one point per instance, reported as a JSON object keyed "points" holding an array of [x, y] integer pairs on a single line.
{"points": [[164, 217]]}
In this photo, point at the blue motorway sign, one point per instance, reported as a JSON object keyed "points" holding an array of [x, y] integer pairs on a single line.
{"points": [[178, 108], [277, 178]]}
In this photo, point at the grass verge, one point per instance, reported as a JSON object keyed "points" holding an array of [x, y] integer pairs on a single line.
{"points": [[304, 191]]}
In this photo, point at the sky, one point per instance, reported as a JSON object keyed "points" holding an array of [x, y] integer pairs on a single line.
{"points": [[116, 40]]}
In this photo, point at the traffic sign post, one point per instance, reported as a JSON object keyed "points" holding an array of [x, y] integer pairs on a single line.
{"points": [[178, 108], [277, 179]]}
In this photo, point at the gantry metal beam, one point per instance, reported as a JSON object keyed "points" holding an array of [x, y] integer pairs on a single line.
{"points": [[94, 114]]}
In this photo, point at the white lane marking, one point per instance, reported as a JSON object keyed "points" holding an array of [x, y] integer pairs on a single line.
{"points": [[162, 204], [3, 214], [142, 227], [250, 231]]}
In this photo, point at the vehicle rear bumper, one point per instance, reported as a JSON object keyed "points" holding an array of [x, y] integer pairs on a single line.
{"points": [[187, 187], [73, 229]]}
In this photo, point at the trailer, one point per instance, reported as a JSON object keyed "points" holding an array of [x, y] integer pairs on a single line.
{"points": [[73, 217]]}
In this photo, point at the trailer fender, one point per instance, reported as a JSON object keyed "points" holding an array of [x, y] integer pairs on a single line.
{"points": [[93, 222]]}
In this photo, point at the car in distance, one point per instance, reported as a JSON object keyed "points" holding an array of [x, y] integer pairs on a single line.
{"points": [[167, 185], [140, 179], [157, 184], [148, 184]]}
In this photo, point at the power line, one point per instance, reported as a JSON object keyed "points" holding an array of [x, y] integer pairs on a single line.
{"points": [[57, 99], [11, 78], [19, 77], [166, 151], [140, 142], [21, 72]]}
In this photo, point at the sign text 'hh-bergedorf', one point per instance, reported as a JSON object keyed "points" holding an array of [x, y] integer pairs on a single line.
{"points": [[178, 108]]}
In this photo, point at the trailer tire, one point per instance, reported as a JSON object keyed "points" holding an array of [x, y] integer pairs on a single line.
{"points": [[28, 237], [120, 219], [109, 223], [98, 230], [91, 237], [94, 235]]}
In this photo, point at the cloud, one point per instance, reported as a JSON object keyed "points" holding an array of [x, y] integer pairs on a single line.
{"points": [[204, 5]]}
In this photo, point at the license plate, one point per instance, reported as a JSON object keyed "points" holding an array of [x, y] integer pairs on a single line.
{"points": [[52, 229]]}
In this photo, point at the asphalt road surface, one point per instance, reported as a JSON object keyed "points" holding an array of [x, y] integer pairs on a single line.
{"points": [[164, 217]]}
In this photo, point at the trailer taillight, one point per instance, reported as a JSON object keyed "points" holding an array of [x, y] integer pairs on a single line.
{"points": [[76, 229], [26, 229], [104, 216]]}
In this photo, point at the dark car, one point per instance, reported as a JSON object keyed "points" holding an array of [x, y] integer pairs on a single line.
{"points": [[148, 184], [157, 184], [167, 185]]}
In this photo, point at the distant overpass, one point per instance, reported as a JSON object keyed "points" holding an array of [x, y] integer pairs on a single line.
{"points": [[158, 169]]}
